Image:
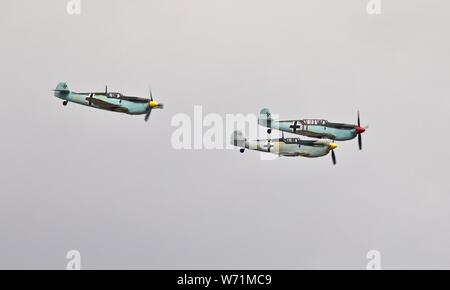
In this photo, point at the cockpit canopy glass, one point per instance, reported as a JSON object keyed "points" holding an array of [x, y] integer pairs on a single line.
{"points": [[114, 95], [291, 140], [314, 122]]}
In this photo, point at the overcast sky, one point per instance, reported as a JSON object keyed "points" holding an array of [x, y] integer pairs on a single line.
{"points": [[112, 187]]}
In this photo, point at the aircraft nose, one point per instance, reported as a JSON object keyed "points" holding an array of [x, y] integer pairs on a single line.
{"points": [[360, 130], [332, 146], [153, 104]]}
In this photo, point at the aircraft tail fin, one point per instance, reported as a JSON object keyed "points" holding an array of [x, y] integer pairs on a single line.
{"points": [[61, 89], [265, 118], [238, 139]]}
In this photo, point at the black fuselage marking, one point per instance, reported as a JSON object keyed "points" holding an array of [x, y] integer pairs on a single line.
{"points": [[295, 126]]}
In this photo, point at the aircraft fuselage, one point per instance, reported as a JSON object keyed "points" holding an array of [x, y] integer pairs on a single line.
{"points": [[333, 131], [105, 102]]}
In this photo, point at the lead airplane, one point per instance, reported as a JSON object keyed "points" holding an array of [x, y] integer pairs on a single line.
{"points": [[289, 147], [109, 101], [315, 128]]}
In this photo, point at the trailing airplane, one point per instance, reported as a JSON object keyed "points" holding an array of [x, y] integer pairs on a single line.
{"points": [[290, 147]]}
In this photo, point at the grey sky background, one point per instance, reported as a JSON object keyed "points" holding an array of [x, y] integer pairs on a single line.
{"points": [[111, 186]]}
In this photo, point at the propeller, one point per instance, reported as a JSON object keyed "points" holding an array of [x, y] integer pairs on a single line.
{"points": [[148, 115], [360, 141], [158, 105], [152, 105], [150, 108], [106, 90], [359, 131], [359, 135], [333, 146]]}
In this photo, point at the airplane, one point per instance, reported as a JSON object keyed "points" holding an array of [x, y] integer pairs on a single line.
{"points": [[109, 101], [315, 128], [289, 147]]}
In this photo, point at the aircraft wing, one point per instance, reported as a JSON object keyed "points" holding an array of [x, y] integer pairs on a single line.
{"points": [[340, 125], [294, 154], [105, 105]]}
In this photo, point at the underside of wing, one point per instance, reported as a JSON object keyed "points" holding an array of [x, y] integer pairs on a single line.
{"points": [[294, 154], [105, 105], [317, 135], [340, 125]]}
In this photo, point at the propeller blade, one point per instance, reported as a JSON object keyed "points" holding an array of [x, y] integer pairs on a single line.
{"points": [[359, 121], [151, 95], [360, 141], [333, 157], [106, 89], [359, 135], [148, 115]]}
